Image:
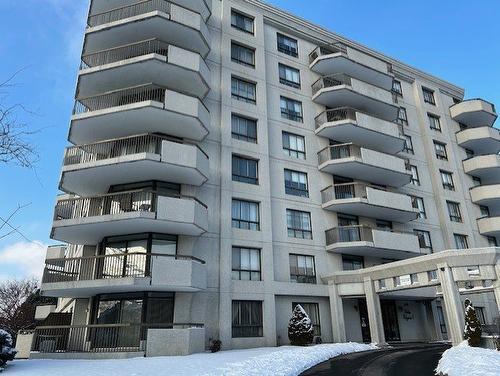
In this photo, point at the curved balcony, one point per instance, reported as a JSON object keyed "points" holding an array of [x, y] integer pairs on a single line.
{"points": [[485, 167], [131, 272], [350, 125], [91, 169], [363, 200], [482, 140], [487, 195], [142, 109], [489, 226], [356, 162], [145, 61], [339, 58], [474, 113], [89, 220], [367, 241], [141, 20], [340, 90]]}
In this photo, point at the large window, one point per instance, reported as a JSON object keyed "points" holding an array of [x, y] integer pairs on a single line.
{"points": [[447, 180], [461, 241], [424, 239], [396, 88], [243, 90], [294, 145], [243, 128], [312, 310], [402, 116], [418, 203], [242, 55], [352, 262], [428, 96], [302, 269], [408, 145], [298, 224], [440, 149], [296, 183], [454, 211], [434, 122], [415, 180], [245, 170], [291, 109], [242, 22], [247, 318], [246, 264], [245, 215], [287, 45], [289, 76]]}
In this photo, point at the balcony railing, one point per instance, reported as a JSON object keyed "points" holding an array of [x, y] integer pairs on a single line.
{"points": [[127, 11], [345, 234], [112, 55], [331, 81], [122, 97], [337, 114], [100, 267], [345, 191], [327, 50], [339, 151]]}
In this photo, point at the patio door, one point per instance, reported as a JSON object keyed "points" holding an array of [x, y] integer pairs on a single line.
{"points": [[390, 320]]}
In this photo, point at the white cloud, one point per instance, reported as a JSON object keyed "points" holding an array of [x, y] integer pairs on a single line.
{"points": [[22, 260]]}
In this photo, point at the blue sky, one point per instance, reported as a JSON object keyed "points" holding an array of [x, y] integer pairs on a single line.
{"points": [[457, 40]]}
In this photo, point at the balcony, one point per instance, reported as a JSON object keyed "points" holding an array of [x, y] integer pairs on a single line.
{"points": [[145, 61], [350, 125], [356, 162], [485, 167], [142, 20], [363, 200], [132, 272], [482, 140], [474, 113], [339, 58], [91, 169], [89, 220], [367, 241], [137, 110], [489, 226], [487, 195], [340, 90]]}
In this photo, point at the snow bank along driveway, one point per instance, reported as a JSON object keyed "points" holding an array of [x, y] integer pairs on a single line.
{"points": [[463, 360], [271, 361]]}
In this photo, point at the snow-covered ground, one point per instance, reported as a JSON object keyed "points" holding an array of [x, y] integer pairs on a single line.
{"points": [[463, 360], [275, 361]]}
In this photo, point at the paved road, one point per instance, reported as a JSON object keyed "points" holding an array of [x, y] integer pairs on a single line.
{"points": [[401, 360]]}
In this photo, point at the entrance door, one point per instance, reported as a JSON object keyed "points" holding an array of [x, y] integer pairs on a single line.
{"points": [[390, 320], [363, 318]]}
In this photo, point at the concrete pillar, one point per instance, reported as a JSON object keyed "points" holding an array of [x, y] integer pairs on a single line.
{"points": [[374, 312], [269, 319], [496, 287], [454, 310], [337, 313], [435, 319]]}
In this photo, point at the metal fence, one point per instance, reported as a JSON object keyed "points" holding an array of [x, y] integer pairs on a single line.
{"points": [[331, 81], [327, 50], [339, 151], [337, 114], [127, 11], [344, 234]]}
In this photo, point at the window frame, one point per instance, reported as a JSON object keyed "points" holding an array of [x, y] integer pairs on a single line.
{"points": [[450, 185], [240, 269], [249, 224], [440, 154], [402, 120], [454, 215], [415, 200], [428, 95], [293, 153], [237, 60], [461, 237], [415, 180], [433, 120], [239, 325], [407, 149], [241, 136], [426, 235], [244, 16], [292, 232], [286, 113], [289, 190], [239, 97], [282, 68], [397, 88], [248, 179], [302, 278], [284, 48]]}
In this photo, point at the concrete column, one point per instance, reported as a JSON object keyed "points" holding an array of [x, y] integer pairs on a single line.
{"points": [[435, 319], [454, 310], [337, 313], [269, 319], [496, 287], [374, 312]]}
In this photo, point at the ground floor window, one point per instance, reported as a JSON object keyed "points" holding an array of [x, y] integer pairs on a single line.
{"points": [[312, 310], [247, 318]]}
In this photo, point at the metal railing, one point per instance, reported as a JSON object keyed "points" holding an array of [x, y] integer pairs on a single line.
{"points": [[112, 55], [337, 114], [344, 191], [127, 11], [346, 234], [327, 50], [339, 151], [331, 81], [121, 97], [100, 267]]}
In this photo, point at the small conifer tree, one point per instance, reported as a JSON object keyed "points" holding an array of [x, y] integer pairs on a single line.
{"points": [[7, 352], [300, 329], [472, 330]]}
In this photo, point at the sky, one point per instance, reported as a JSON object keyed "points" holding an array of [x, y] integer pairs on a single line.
{"points": [[457, 40]]}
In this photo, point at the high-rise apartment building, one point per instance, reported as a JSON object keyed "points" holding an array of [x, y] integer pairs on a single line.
{"points": [[230, 161]]}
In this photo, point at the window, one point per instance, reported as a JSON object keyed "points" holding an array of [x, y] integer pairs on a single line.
{"points": [[432, 275], [381, 284], [246, 264], [454, 211], [476, 181], [461, 241], [408, 145], [289, 76], [469, 153], [442, 322], [247, 318], [414, 278], [397, 88], [242, 22], [298, 224], [245, 170], [302, 269], [447, 180], [294, 145], [243, 128], [492, 241], [288, 45], [480, 315], [312, 310], [242, 55], [291, 109], [485, 212], [440, 150], [382, 224], [402, 116], [418, 203], [428, 96], [243, 90], [296, 183], [434, 122], [245, 215], [424, 239], [352, 262], [415, 180]]}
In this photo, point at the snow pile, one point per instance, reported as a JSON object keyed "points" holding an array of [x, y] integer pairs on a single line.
{"points": [[263, 361], [469, 361]]}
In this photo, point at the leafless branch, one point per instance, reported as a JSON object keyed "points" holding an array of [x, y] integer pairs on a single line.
{"points": [[6, 222]]}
